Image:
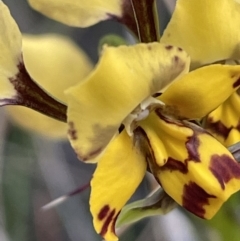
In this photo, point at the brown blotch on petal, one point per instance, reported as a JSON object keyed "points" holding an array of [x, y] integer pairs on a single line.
{"points": [[149, 47], [236, 83], [176, 59], [175, 165], [103, 212], [72, 132], [109, 219], [195, 198], [180, 49], [224, 168], [169, 47], [218, 128], [192, 145]]}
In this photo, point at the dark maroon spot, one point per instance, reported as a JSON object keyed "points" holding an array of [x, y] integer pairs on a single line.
{"points": [[192, 145], [195, 198], [107, 223], [175, 165], [103, 212], [169, 47], [72, 132], [236, 83], [218, 128], [180, 49], [121, 128], [156, 95], [176, 59], [224, 168]]}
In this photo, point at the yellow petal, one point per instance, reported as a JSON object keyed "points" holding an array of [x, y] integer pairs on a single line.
{"points": [[199, 92], [55, 63], [79, 13], [124, 77], [200, 173], [10, 58], [207, 30], [118, 174], [223, 122]]}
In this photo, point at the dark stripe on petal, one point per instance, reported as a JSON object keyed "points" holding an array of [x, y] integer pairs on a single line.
{"points": [[142, 142], [107, 222], [218, 128], [195, 198], [72, 132], [175, 165], [103, 212], [169, 47], [224, 168]]}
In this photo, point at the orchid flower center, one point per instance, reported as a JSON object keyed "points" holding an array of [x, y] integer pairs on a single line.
{"points": [[141, 112]]}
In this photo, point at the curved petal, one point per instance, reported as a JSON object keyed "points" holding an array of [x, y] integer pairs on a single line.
{"points": [[119, 172], [10, 59], [79, 13], [200, 173], [207, 30], [224, 122], [56, 63], [201, 91], [124, 77]]}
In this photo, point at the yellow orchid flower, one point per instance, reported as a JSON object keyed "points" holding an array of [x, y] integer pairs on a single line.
{"points": [[65, 57], [114, 118], [163, 141], [202, 29]]}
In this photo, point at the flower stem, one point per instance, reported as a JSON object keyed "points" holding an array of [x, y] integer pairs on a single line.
{"points": [[141, 17]]}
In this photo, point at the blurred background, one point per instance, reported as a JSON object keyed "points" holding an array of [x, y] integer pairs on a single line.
{"points": [[36, 170]]}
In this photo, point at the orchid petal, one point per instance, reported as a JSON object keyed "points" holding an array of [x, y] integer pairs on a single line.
{"points": [[224, 122], [201, 91], [200, 174], [124, 77], [118, 174], [49, 59], [79, 13], [10, 58], [203, 29]]}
